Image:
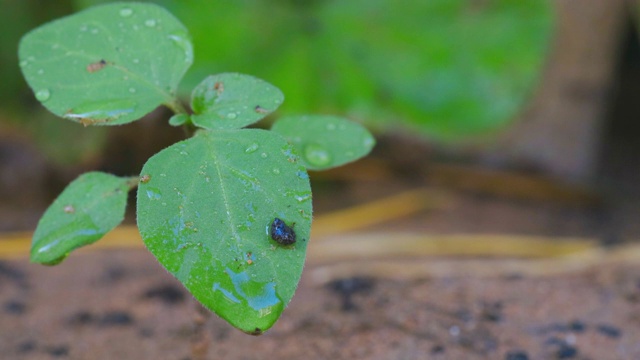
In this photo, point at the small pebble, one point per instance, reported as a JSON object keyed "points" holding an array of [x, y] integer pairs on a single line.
{"points": [[577, 326], [81, 318], [116, 318], [168, 294], [58, 351], [609, 331], [15, 307], [26, 346], [437, 349], [516, 355]]}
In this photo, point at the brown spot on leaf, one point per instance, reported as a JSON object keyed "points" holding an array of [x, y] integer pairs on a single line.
{"points": [[218, 87], [145, 178], [96, 66]]}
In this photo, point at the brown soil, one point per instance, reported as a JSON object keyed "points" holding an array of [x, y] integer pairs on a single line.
{"points": [[121, 305]]}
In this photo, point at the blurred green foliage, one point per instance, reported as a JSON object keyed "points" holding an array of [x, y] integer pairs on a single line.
{"points": [[449, 69]]}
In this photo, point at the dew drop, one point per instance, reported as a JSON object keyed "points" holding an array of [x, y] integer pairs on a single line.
{"points": [[317, 155], [40, 72], [132, 90], [303, 197], [232, 116], [126, 12], [150, 23], [276, 171], [263, 155], [368, 142], [331, 127], [154, 194], [183, 42], [43, 95], [24, 63], [135, 61], [251, 148]]}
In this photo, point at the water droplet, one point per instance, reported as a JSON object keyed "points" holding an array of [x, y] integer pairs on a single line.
{"points": [[303, 197], [132, 90], [263, 155], [83, 28], [331, 127], [150, 23], [69, 209], [126, 12], [43, 95], [232, 116], [276, 171], [24, 63], [154, 194], [251, 148], [101, 111], [182, 40], [368, 142], [41, 71], [317, 155], [302, 175], [135, 61], [94, 31]]}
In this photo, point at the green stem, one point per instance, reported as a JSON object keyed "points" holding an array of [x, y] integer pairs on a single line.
{"points": [[176, 106], [133, 182]]}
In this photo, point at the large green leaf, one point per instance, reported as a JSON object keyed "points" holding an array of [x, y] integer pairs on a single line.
{"points": [[205, 206], [107, 65], [232, 101], [88, 208], [325, 141]]}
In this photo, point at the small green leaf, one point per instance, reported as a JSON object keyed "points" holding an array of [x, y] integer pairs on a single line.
{"points": [[233, 101], [107, 65], [204, 211], [88, 208], [179, 119], [325, 141]]}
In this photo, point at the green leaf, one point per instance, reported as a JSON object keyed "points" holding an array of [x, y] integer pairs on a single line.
{"points": [[88, 208], [179, 119], [107, 65], [325, 141], [204, 210], [233, 101]]}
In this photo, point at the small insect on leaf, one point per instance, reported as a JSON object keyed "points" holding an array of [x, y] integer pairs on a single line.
{"points": [[282, 233], [260, 110], [96, 66]]}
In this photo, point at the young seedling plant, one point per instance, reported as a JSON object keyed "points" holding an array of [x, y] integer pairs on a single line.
{"points": [[228, 211]]}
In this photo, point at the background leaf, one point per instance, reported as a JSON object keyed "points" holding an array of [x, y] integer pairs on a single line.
{"points": [[204, 209], [88, 208], [232, 101], [107, 65], [325, 141]]}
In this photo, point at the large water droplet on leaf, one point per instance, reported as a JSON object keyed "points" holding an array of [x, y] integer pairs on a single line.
{"points": [[43, 95], [316, 155], [126, 12]]}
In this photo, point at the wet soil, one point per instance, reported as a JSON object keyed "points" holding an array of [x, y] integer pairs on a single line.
{"points": [[121, 305]]}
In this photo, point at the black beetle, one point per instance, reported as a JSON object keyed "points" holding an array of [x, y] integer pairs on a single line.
{"points": [[282, 233]]}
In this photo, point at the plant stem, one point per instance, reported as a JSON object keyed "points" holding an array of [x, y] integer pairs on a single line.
{"points": [[133, 182], [176, 106]]}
